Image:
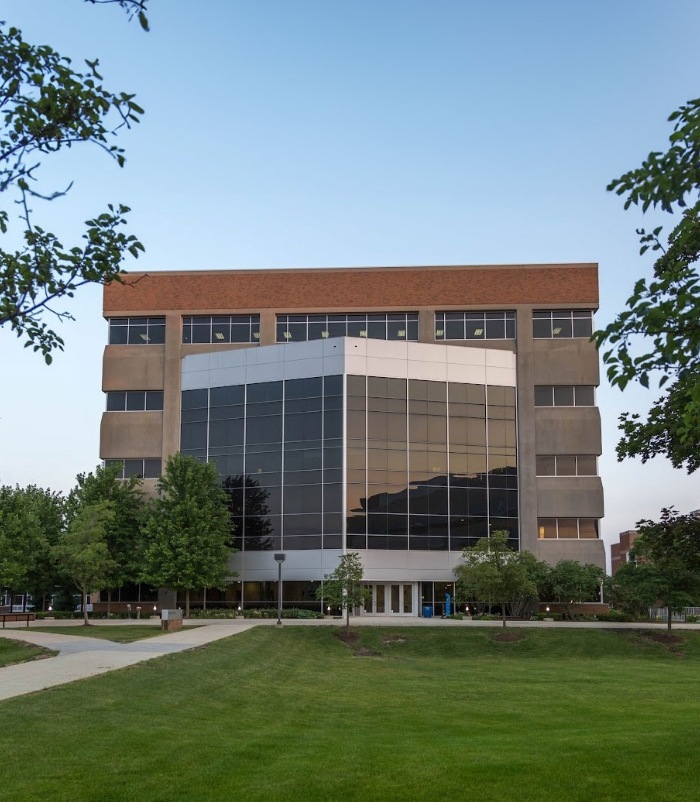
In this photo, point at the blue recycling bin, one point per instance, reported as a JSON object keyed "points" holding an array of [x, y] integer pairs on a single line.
{"points": [[428, 611]]}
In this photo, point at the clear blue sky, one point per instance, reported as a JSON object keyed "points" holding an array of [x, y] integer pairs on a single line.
{"points": [[283, 133]]}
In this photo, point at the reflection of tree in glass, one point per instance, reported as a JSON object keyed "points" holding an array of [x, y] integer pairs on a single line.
{"points": [[252, 520]]}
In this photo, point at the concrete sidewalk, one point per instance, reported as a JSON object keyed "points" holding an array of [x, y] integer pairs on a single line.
{"points": [[81, 657]]}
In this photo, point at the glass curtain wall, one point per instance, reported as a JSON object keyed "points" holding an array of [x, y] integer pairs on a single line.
{"points": [[430, 465], [278, 448]]}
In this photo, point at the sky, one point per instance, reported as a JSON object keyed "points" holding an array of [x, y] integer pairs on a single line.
{"points": [[308, 133]]}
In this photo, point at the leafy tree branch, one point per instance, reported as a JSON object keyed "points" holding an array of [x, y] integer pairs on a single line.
{"points": [[47, 106], [657, 336]]}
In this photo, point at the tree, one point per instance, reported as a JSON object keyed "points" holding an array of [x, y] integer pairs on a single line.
{"points": [[49, 508], [657, 334], [46, 106], [667, 553], [343, 588], [493, 572], [573, 582], [187, 529], [82, 551], [123, 532], [21, 538], [636, 587]]}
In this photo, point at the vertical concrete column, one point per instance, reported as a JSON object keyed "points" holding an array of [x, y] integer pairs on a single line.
{"points": [[426, 325], [527, 445], [268, 327], [172, 384]]}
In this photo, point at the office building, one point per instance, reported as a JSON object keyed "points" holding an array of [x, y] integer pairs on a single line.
{"points": [[402, 413]]}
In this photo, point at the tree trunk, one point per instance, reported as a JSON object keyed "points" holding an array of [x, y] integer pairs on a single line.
{"points": [[205, 598], [86, 622], [347, 616], [668, 619], [109, 602], [503, 613], [187, 603]]}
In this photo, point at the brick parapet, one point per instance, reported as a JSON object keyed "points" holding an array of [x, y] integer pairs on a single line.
{"points": [[400, 288]]}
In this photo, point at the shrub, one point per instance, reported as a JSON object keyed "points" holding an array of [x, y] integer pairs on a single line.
{"points": [[615, 616], [59, 614], [691, 619], [223, 613], [291, 612]]}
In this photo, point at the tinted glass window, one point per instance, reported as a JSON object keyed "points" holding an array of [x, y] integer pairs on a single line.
{"points": [[587, 466], [585, 396], [545, 466], [563, 396], [154, 399], [116, 401]]}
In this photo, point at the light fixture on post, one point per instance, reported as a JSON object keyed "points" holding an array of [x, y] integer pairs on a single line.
{"points": [[280, 557]]}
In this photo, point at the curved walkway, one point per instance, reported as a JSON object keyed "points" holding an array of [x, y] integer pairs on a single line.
{"points": [[81, 657]]}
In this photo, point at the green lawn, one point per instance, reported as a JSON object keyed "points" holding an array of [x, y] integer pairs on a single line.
{"points": [[14, 651], [118, 634], [434, 714]]}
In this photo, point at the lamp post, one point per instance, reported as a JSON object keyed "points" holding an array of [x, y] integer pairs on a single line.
{"points": [[279, 559]]}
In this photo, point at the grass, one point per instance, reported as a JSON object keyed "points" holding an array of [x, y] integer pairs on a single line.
{"points": [[298, 714], [118, 634], [17, 651]]}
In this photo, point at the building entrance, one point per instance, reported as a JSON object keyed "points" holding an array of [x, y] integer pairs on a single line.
{"points": [[391, 599]]}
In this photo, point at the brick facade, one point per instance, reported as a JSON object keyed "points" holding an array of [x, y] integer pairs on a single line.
{"points": [[354, 288]]}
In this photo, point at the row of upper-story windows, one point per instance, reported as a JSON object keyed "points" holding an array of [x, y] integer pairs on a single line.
{"points": [[143, 468], [566, 465], [136, 330], [578, 395], [567, 528], [562, 323], [456, 326], [134, 400], [475, 325], [221, 329], [373, 325]]}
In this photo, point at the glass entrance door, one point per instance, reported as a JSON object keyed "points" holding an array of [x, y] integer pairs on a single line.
{"points": [[391, 599]]}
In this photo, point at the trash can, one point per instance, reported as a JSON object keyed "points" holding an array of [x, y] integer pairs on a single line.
{"points": [[428, 611]]}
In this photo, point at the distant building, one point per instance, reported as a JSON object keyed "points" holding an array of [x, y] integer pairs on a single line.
{"points": [[620, 552], [402, 413]]}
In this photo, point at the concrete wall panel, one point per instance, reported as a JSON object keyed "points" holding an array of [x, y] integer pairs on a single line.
{"points": [[583, 551], [131, 435], [133, 367], [568, 430], [570, 497], [573, 361]]}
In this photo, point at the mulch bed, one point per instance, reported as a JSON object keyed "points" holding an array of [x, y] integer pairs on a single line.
{"points": [[507, 637], [350, 637]]}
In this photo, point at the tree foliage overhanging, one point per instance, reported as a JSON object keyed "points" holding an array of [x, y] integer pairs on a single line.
{"points": [[47, 106], [658, 334]]}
